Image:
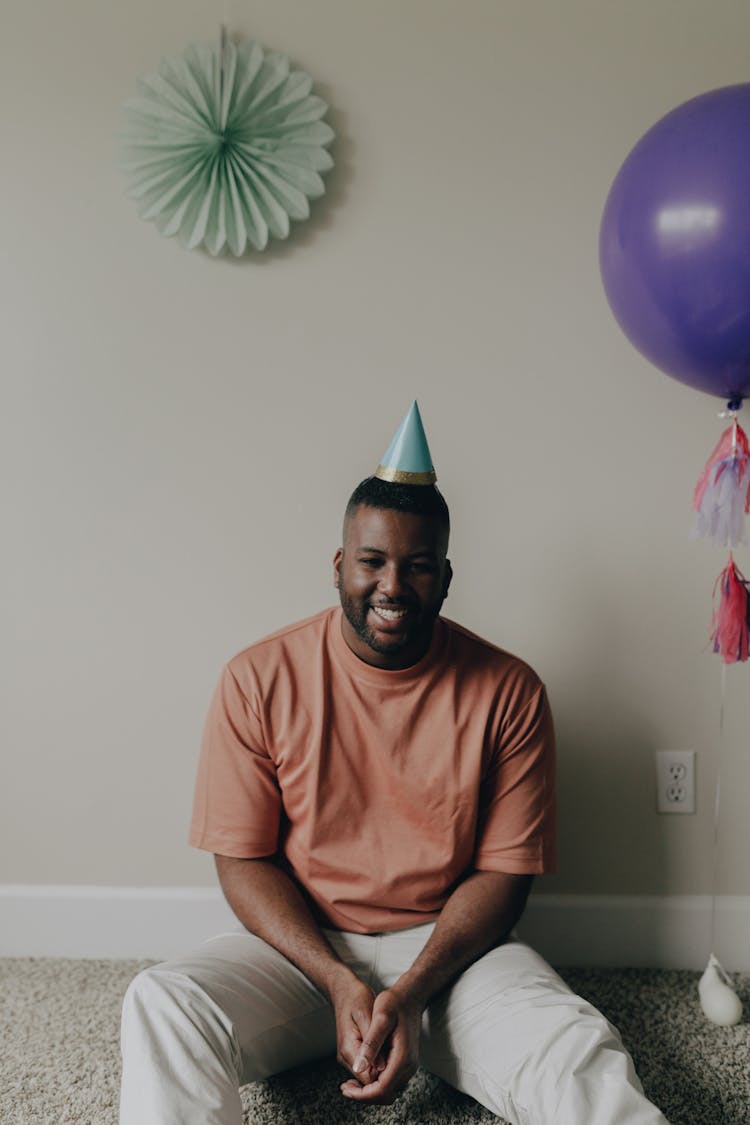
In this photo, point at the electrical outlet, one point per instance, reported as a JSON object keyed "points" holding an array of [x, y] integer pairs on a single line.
{"points": [[675, 781]]}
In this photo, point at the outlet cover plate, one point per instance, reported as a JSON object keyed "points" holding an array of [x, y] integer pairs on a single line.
{"points": [[675, 781]]}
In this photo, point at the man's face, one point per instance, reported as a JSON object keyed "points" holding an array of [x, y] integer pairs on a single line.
{"points": [[392, 576]]}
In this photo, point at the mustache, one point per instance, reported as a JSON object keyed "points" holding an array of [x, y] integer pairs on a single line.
{"points": [[401, 604]]}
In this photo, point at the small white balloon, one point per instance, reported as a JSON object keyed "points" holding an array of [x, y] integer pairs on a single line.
{"points": [[719, 1001]]}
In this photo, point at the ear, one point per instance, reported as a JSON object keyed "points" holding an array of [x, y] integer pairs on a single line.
{"points": [[448, 577], [337, 566]]}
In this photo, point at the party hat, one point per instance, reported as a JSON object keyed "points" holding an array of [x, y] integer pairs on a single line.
{"points": [[407, 459]]}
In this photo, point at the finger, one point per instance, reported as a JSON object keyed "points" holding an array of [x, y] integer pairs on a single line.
{"points": [[384, 1086], [370, 1071], [373, 1071], [358, 1063], [371, 1094], [366, 1076], [361, 1018], [394, 1076], [380, 1028], [346, 1058], [350, 1046]]}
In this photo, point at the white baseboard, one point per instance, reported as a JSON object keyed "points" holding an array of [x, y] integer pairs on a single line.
{"points": [[639, 931], [108, 922], [671, 932]]}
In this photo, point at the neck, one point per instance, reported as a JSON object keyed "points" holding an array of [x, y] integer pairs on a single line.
{"points": [[396, 661]]}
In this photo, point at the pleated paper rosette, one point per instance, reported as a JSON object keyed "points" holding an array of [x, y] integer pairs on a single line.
{"points": [[225, 145]]}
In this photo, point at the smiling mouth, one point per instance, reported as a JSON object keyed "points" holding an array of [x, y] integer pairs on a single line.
{"points": [[389, 613]]}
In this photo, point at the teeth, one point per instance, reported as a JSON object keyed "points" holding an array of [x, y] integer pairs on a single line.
{"points": [[390, 614]]}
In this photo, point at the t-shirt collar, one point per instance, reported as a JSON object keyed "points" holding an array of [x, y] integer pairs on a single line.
{"points": [[383, 676]]}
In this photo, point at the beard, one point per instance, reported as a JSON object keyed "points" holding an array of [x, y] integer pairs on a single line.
{"points": [[355, 612]]}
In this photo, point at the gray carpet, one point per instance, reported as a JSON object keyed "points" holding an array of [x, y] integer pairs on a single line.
{"points": [[59, 1057]]}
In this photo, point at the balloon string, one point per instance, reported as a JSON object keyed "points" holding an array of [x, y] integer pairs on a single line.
{"points": [[717, 806]]}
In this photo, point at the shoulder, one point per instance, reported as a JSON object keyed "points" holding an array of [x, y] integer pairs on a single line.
{"points": [[476, 656], [288, 647], [298, 633], [477, 651]]}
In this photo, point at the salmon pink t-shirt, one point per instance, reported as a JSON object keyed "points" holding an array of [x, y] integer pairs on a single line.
{"points": [[379, 791]]}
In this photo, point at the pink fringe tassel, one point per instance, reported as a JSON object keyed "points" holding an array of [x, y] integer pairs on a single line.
{"points": [[730, 627], [722, 494]]}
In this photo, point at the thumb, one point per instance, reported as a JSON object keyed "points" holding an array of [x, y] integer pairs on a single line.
{"points": [[380, 1028]]}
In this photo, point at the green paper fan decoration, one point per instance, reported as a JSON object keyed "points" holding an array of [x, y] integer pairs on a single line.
{"points": [[224, 145]]}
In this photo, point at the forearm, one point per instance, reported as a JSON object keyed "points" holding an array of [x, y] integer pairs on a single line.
{"points": [[270, 904], [479, 915]]}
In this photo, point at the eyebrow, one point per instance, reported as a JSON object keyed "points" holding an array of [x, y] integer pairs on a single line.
{"points": [[422, 552]]}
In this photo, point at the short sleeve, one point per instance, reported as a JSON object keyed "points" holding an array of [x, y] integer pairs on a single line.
{"points": [[237, 804], [516, 829]]}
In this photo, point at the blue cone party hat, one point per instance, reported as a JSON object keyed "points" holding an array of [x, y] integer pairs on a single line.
{"points": [[407, 459]]}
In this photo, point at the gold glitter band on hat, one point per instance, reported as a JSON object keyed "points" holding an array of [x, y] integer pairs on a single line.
{"points": [[400, 476]]}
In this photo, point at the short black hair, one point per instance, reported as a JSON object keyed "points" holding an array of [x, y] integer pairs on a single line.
{"points": [[421, 499]]}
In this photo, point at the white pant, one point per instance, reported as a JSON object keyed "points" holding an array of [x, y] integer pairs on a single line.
{"points": [[509, 1032]]}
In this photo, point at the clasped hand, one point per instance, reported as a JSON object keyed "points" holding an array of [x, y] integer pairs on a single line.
{"points": [[378, 1041]]}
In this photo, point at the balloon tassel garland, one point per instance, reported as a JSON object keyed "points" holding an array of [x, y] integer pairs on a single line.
{"points": [[722, 494], [722, 499], [730, 627]]}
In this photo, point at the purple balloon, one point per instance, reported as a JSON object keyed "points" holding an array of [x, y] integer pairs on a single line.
{"points": [[674, 244]]}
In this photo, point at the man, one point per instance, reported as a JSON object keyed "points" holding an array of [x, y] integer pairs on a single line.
{"points": [[377, 785]]}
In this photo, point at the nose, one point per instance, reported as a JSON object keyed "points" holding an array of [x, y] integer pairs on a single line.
{"points": [[390, 584]]}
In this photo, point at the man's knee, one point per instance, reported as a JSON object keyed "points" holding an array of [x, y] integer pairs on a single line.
{"points": [[179, 1055], [572, 1035], [164, 1008], [152, 997], [583, 1072], [586, 1039]]}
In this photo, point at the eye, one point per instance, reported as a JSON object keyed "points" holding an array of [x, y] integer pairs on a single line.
{"points": [[369, 562], [423, 568]]}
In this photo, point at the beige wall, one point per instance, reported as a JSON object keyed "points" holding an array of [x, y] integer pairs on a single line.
{"points": [[181, 433]]}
